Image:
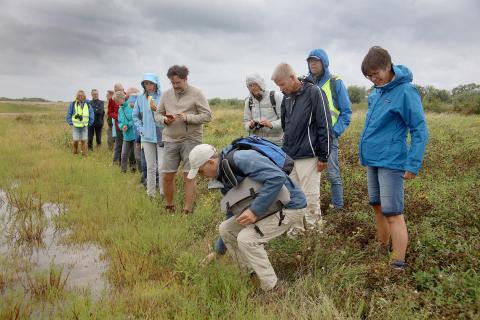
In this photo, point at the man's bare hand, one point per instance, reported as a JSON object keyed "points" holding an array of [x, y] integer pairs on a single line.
{"points": [[321, 165], [266, 123], [182, 116], [247, 217], [168, 119]]}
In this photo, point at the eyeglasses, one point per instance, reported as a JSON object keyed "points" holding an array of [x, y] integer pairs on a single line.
{"points": [[374, 74]]}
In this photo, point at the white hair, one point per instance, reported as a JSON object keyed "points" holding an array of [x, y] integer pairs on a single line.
{"points": [[283, 71]]}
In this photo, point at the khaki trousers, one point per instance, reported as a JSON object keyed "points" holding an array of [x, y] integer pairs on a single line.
{"points": [[306, 176], [246, 245]]}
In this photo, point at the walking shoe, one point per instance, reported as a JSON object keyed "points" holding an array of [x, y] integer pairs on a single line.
{"points": [[294, 233], [170, 208], [398, 265]]}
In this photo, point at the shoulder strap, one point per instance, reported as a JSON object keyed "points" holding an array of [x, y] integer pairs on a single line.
{"points": [[250, 103], [333, 89], [231, 163], [273, 102]]}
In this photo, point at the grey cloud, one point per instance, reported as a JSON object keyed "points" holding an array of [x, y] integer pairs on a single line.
{"points": [[68, 45]]}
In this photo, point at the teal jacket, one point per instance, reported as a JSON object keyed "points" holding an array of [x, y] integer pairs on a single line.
{"points": [[125, 118], [394, 111]]}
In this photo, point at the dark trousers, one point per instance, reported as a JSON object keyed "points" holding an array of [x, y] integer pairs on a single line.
{"points": [[110, 140], [97, 131], [128, 156], [117, 150]]}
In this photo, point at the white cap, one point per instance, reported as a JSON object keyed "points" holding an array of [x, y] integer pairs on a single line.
{"points": [[198, 157]]}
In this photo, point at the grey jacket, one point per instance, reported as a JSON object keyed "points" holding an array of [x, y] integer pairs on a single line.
{"points": [[263, 110]]}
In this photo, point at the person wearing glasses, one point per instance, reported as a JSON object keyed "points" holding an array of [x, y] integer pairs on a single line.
{"points": [[394, 111]]}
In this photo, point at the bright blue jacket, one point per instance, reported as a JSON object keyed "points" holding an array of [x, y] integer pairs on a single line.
{"points": [[71, 111], [341, 99], [125, 118], [261, 169], [394, 110], [143, 116]]}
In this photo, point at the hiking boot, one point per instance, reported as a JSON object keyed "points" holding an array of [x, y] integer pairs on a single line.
{"points": [[336, 210], [399, 265], [187, 211]]}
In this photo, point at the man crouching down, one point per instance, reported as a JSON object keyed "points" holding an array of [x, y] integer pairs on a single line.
{"points": [[246, 234]]}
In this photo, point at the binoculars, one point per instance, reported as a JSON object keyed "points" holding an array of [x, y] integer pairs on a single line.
{"points": [[257, 125]]}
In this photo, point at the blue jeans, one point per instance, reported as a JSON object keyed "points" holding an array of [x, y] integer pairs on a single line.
{"points": [[333, 173], [219, 246], [386, 188]]}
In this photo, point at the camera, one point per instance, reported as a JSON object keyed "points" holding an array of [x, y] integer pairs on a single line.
{"points": [[78, 117], [258, 125]]}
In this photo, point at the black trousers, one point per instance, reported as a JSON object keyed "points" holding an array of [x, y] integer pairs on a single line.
{"points": [[97, 131], [117, 149]]}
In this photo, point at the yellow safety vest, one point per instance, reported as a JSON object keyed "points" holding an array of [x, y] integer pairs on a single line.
{"points": [[83, 112], [334, 112]]}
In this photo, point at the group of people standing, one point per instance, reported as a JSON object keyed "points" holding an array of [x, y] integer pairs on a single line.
{"points": [[151, 132], [306, 119], [314, 112]]}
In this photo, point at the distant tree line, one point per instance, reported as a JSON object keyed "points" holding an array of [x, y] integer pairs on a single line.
{"points": [[24, 99], [463, 98]]}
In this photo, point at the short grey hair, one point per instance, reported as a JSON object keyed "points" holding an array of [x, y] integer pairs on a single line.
{"points": [[118, 95], [283, 71]]}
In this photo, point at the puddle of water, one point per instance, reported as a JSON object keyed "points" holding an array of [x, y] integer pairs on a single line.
{"points": [[82, 264]]}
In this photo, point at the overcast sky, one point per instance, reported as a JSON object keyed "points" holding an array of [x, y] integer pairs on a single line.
{"points": [[51, 48]]}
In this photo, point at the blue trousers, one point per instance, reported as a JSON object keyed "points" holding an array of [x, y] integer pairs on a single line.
{"points": [[333, 173]]}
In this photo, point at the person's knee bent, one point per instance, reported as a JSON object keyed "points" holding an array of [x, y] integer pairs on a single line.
{"points": [[245, 241], [224, 231]]}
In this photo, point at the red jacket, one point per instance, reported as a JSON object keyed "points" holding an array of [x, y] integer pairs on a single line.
{"points": [[113, 112]]}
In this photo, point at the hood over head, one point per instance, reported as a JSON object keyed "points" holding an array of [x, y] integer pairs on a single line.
{"points": [[152, 77], [321, 55], [256, 78]]}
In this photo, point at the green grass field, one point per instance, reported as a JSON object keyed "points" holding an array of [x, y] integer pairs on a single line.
{"points": [[26, 107], [154, 258]]}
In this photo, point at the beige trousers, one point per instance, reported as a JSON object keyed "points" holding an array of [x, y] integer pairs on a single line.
{"points": [[306, 176], [246, 245]]}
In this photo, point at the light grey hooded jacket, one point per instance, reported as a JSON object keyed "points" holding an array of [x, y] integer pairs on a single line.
{"points": [[263, 110]]}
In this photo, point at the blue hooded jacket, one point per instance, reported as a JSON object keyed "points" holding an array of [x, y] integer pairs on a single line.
{"points": [[143, 116], [394, 110], [341, 98], [125, 118]]}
